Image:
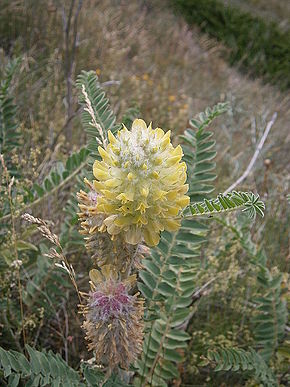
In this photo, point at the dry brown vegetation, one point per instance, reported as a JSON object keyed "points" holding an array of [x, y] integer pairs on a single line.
{"points": [[149, 58]]}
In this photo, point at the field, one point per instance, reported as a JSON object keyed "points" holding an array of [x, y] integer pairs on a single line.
{"points": [[151, 65]]}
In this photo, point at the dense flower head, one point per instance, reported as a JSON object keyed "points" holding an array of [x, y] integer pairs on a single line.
{"points": [[140, 184], [113, 318]]}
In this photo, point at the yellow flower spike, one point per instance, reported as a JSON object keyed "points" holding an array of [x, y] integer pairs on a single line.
{"points": [[140, 183]]}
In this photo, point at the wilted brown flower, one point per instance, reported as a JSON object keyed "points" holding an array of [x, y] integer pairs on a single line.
{"points": [[113, 319]]}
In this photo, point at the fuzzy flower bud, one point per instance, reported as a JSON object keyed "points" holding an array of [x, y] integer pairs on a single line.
{"points": [[113, 324], [141, 184]]}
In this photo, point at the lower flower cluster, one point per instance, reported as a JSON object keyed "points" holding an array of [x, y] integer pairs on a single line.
{"points": [[113, 318]]}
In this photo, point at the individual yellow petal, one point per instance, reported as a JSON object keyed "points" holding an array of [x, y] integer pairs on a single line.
{"points": [[113, 229], [116, 150], [171, 224], [159, 133], [134, 235], [172, 210], [112, 138], [101, 174], [95, 276], [183, 201], [183, 189], [165, 140], [123, 221], [172, 161], [105, 155], [172, 195], [139, 124], [178, 151], [151, 237], [98, 186], [110, 208], [108, 194], [112, 183], [100, 165]]}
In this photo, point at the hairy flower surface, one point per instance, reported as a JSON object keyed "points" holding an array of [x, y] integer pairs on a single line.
{"points": [[114, 319], [103, 249], [140, 184]]}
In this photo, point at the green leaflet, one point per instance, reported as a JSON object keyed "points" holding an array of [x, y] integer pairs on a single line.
{"points": [[88, 83], [42, 368], [271, 313], [199, 152], [247, 201], [9, 135], [49, 369], [238, 360]]}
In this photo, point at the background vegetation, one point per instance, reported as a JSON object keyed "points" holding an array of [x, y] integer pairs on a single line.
{"points": [[152, 64]]}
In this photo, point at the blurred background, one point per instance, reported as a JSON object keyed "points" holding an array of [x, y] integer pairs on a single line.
{"points": [[164, 61]]}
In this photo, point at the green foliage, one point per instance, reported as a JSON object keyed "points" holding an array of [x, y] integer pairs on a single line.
{"points": [[229, 202], [199, 151], [271, 311], [9, 135], [239, 360], [259, 47], [43, 368], [169, 273], [60, 175], [88, 83], [267, 314], [46, 285]]}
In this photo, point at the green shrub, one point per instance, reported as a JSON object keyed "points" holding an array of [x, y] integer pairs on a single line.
{"points": [[259, 47]]}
